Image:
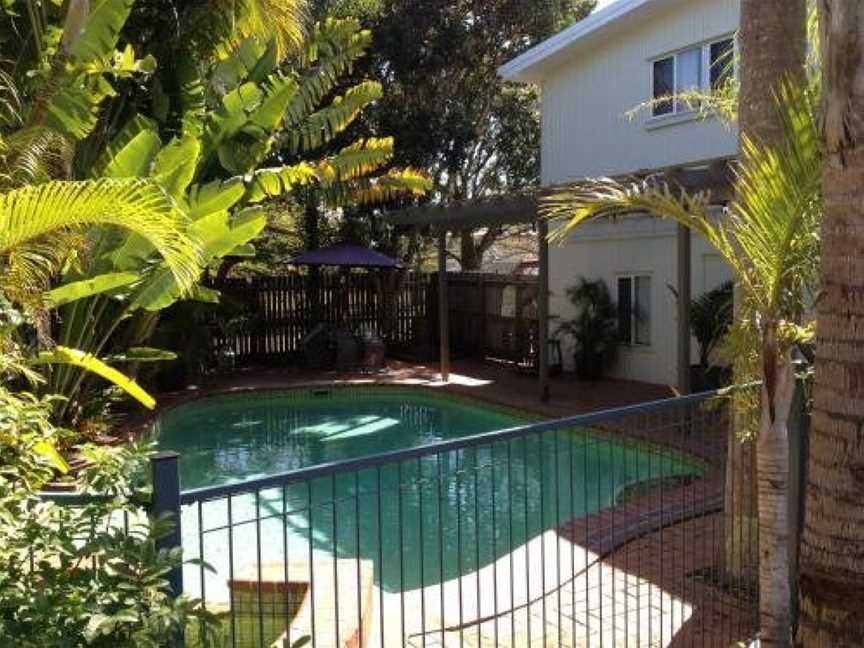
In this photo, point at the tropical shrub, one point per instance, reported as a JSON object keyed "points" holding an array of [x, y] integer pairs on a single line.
{"points": [[710, 319], [594, 328], [77, 575], [250, 128]]}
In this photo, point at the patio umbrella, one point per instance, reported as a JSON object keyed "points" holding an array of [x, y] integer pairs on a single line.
{"points": [[346, 255]]}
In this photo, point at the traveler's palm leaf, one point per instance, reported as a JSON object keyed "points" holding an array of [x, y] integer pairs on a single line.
{"points": [[323, 125], [331, 51]]}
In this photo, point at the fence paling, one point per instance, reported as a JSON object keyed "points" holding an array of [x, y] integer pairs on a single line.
{"points": [[493, 315], [599, 529]]}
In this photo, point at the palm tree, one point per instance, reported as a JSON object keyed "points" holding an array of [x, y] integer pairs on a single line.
{"points": [[772, 43], [767, 238], [831, 559]]}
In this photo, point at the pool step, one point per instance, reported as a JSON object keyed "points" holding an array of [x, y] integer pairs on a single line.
{"points": [[264, 604]]}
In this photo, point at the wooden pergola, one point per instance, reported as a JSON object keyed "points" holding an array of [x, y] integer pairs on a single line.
{"points": [[475, 214], [714, 176]]}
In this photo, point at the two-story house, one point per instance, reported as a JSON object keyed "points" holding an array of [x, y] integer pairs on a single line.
{"points": [[592, 77]]}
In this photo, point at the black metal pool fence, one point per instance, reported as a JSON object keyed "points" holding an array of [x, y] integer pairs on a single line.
{"points": [[626, 527], [606, 529]]}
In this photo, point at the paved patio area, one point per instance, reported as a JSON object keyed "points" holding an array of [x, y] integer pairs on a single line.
{"points": [[476, 379]]}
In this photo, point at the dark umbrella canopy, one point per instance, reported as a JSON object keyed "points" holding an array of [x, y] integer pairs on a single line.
{"points": [[346, 255]]}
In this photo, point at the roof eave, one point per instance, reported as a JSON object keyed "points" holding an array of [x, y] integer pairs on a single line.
{"points": [[530, 66]]}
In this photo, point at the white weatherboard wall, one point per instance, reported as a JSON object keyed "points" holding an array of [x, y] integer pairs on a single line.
{"points": [[586, 129], [587, 133], [634, 245]]}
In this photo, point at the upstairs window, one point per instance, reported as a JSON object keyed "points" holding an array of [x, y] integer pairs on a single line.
{"points": [[634, 310], [722, 60], [700, 69]]}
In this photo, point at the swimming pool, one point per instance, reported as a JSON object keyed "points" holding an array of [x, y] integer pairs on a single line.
{"points": [[422, 521]]}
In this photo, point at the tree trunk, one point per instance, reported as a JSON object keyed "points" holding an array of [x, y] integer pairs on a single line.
{"points": [[77, 13], [470, 258], [832, 547], [772, 47], [775, 597]]}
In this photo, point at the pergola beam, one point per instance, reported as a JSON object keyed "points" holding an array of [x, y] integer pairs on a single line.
{"points": [[443, 308], [543, 309]]}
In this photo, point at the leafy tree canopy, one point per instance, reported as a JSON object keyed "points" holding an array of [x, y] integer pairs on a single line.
{"points": [[438, 62]]}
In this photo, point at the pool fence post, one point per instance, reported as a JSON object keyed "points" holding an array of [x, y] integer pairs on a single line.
{"points": [[165, 472]]}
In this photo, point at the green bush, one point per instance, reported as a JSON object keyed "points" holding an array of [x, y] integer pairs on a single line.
{"points": [[593, 329], [78, 575]]}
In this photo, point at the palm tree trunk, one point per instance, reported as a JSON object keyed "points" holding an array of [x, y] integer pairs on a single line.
{"points": [[773, 45], [772, 460], [773, 48], [832, 546]]}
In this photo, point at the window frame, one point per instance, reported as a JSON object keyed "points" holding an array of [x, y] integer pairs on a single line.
{"points": [[705, 85], [631, 340]]}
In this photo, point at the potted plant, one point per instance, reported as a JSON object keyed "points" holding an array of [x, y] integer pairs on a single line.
{"points": [[711, 315], [593, 330]]}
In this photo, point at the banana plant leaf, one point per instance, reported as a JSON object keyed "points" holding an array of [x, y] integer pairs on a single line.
{"points": [[98, 285], [66, 356], [142, 354]]}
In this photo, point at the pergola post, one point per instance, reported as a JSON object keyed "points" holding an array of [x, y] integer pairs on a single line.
{"points": [[443, 307], [684, 297], [543, 308]]}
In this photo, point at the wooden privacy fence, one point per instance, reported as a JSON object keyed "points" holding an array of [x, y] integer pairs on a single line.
{"points": [[493, 314], [264, 319]]}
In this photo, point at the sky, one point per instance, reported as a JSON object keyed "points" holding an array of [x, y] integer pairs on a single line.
{"points": [[603, 3]]}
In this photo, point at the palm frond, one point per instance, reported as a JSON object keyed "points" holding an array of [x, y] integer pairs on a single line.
{"points": [[777, 205], [330, 52], [323, 125], [11, 107], [359, 159], [140, 206], [393, 185], [230, 21], [33, 155]]}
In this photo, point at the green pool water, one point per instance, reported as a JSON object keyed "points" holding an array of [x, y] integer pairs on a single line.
{"points": [[422, 521]]}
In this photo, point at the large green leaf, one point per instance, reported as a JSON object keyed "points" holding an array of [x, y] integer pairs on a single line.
{"points": [[275, 182], [131, 153], [74, 108], [101, 31], [252, 60], [215, 196], [323, 125], [74, 357], [330, 52], [98, 285], [174, 167], [279, 92], [218, 235], [49, 452], [142, 354]]}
